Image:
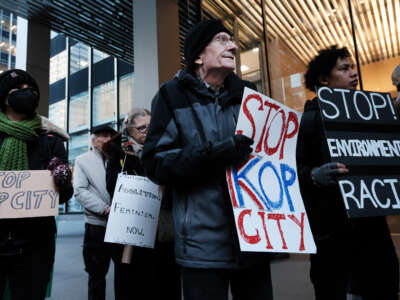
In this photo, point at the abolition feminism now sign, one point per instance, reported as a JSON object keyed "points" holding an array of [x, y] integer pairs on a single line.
{"points": [[134, 212], [267, 205], [363, 132]]}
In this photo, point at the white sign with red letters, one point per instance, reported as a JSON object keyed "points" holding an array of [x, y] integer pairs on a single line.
{"points": [[267, 204]]}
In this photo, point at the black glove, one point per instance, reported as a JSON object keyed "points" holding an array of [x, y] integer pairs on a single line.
{"points": [[233, 151], [326, 174]]}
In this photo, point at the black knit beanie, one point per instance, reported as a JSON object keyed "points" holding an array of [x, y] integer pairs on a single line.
{"points": [[11, 79], [198, 37]]}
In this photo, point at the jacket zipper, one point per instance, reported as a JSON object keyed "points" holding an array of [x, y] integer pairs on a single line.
{"points": [[185, 224]]}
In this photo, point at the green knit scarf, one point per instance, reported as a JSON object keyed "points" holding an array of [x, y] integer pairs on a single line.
{"points": [[13, 152]]}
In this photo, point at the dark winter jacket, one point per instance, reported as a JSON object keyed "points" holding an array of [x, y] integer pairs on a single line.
{"points": [[186, 118], [19, 235]]}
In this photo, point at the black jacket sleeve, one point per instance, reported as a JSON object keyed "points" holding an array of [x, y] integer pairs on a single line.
{"points": [[165, 159]]}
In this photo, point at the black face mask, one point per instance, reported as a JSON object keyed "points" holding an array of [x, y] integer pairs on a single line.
{"points": [[24, 101]]}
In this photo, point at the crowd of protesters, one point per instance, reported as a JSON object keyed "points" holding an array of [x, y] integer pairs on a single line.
{"points": [[185, 144]]}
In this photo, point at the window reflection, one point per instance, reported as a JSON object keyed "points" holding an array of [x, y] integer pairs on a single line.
{"points": [[103, 103], [79, 57], [78, 112], [125, 94], [98, 55], [58, 67], [57, 113]]}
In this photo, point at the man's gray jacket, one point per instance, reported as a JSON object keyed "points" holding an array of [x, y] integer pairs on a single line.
{"points": [[90, 190], [186, 119]]}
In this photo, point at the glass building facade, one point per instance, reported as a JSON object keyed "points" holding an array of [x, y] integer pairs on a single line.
{"points": [[88, 88], [8, 39]]}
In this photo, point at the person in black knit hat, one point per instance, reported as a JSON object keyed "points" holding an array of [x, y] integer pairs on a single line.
{"points": [[190, 144], [28, 142]]}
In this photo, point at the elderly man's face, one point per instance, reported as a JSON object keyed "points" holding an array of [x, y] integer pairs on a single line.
{"points": [[219, 53], [100, 139]]}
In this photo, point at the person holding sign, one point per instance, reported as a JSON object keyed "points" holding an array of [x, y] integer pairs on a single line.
{"points": [[190, 144], [28, 142], [148, 267], [357, 252], [90, 191]]}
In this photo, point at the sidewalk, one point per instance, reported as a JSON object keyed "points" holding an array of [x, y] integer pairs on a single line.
{"points": [[290, 277]]}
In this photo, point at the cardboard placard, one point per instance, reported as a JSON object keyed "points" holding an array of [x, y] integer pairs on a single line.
{"points": [[363, 132], [267, 204], [27, 194], [134, 212]]}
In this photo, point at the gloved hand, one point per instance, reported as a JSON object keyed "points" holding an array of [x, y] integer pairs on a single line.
{"points": [[326, 174], [61, 173], [233, 151]]}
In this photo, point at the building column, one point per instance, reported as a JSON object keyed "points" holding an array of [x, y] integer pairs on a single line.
{"points": [[156, 47], [33, 56]]}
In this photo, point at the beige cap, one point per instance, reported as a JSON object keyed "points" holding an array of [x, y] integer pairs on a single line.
{"points": [[396, 76]]}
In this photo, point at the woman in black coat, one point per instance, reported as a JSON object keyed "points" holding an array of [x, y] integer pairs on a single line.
{"points": [[28, 142], [156, 267]]}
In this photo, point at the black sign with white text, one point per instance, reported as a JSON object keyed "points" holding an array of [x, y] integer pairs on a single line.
{"points": [[363, 132]]}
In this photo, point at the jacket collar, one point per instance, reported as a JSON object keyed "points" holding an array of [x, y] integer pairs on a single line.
{"points": [[49, 127], [232, 84]]}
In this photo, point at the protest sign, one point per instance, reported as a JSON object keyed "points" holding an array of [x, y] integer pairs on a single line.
{"points": [[27, 194], [134, 212], [267, 204], [363, 132]]}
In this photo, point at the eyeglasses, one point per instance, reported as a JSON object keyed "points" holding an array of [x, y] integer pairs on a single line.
{"points": [[142, 128], [223, 39]]}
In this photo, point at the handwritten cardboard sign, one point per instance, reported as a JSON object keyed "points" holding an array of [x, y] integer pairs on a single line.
{"points": [[134, 212], [267, 204], [363, 132], [27, 194]]}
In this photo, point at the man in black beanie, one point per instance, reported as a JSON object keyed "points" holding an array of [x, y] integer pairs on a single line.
{"points": [[190, 144]]}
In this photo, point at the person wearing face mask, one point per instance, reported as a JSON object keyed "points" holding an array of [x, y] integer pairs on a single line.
{"points": [[148, 267], [29, 142]]}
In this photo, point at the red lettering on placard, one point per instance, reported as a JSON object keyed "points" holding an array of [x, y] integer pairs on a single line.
{"points": [[251, 239], [271, 106], [262, 215], [271, 150], [291, 118], [251, 194], [278, 218], [247, 113], [231, 190], [301, 225]]}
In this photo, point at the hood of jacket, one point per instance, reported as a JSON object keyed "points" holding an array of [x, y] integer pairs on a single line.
{"points": [[49, 127], [311, 105], [233, 86]]}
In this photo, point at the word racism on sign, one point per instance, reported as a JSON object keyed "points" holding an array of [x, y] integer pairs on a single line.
{"points": [[134, 212], [267, 205], [27, 194], [363, 132]]}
